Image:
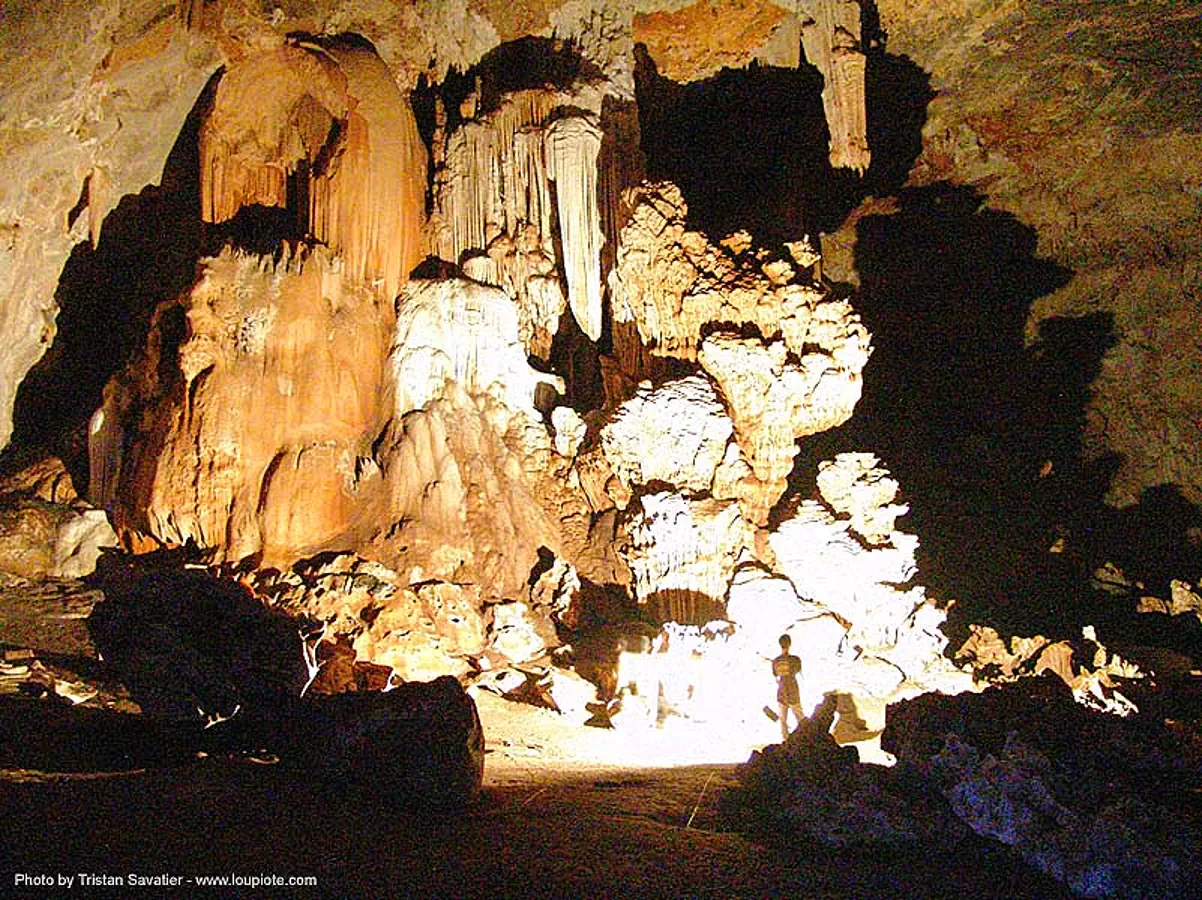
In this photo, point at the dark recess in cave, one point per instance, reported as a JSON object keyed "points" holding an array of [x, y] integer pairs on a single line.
{"points": [[749, 147], [964, 414]]}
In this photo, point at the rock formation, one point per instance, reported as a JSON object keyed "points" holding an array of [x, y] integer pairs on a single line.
{"points": [[251, 416], [676, 296], [40, 538], [335, 119], [830, 34], [517, 183]]}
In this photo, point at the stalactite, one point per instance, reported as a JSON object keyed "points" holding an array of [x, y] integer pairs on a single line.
{"points": [[573, 144], [495, 174], [494, 195], [370, 202], [251, 140], [831, 38], [332, 110]]}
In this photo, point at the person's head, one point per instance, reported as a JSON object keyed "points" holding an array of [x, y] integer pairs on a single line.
{"points": [[785, 642]]}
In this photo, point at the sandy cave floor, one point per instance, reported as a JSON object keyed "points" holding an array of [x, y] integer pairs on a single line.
{"points": [[564, 813]]}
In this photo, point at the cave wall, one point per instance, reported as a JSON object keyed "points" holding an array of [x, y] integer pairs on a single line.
{"points": [[1084, 122]]}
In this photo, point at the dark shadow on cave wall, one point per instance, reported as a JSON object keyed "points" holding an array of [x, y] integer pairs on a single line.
{"points": [[964, 414], [147, 253], [749, 147]]}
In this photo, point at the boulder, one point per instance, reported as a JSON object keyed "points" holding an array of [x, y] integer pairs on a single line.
{"points": [[420, 744]]}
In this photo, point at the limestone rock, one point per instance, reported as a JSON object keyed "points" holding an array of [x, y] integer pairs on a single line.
{"points": [[893, 645], [557, 591], [47, 479], [253, 435], [773, 402], [1184, 599], [670, 282], [573, 143], [464, 333], [421, 631], [40, 539], [676, 295], [572, 695], [764, 606], [336, 117], [93, 99], [570, 430], [698, 40], [677, 434], [831, 37], [520, 633], [682, 554], [192, 647], [420, 745], [1086, 667], [494, 198], [854, 485]]}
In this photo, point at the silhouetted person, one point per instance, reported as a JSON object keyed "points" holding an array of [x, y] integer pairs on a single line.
{"points": [[786, 668]]}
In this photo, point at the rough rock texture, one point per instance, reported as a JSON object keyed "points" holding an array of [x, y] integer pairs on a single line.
{"points": [[773, 403], [1022, 766], [1083, 124], [415, 630], [46, 479], [1089, 670], [684, 421], [891, 646], [682, 554], [192, 647], [670, 282], [801, 375], [93, 98], [466, 334], [40, 539], [852, 484], [419, 745], [724, 34], [1026, 766], [250, 436]]}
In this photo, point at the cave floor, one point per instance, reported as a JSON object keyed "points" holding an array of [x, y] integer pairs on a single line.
{"points": [[564, 813]]}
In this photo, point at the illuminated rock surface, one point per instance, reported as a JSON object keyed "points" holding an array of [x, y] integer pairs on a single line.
{"points": [[395, 314]]}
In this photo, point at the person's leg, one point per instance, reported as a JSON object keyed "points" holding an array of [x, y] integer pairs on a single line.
{"points": [[798, 715], [784, 721]]}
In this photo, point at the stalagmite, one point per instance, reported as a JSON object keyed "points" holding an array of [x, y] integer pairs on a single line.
{"points": [[799, 376], [573, 143], [248, 436]]}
